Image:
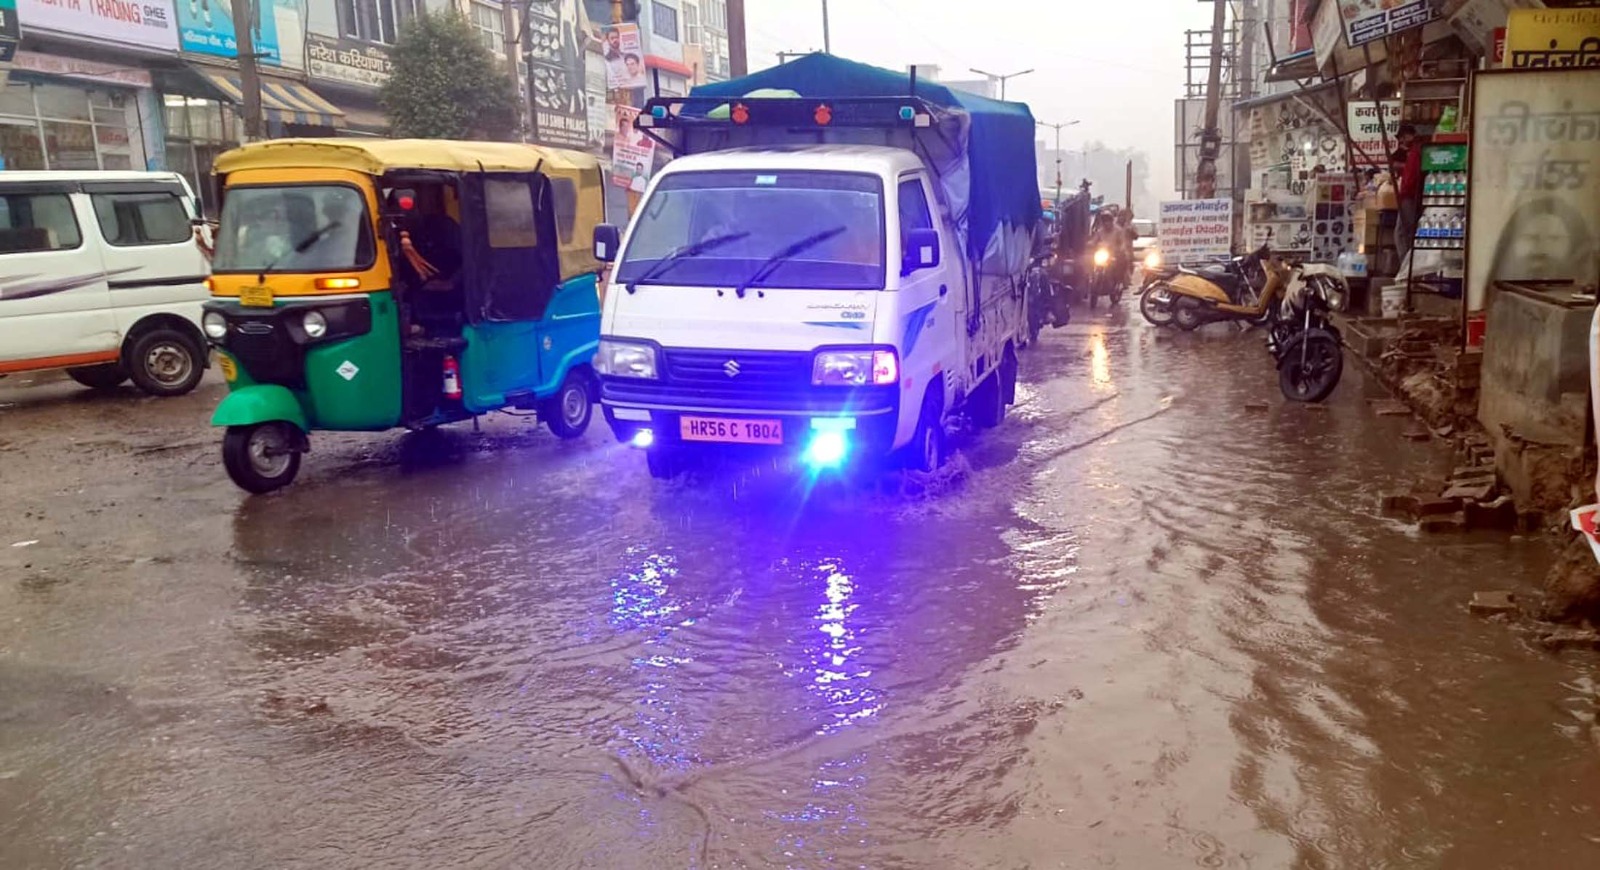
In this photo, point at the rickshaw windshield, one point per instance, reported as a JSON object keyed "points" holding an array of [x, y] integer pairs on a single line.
{"points": [[294, 228]]}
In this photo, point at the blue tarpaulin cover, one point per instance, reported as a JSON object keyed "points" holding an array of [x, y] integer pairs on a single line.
{"points": [[985, 161]]}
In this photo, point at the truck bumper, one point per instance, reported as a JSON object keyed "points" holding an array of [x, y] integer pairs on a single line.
{"points": [[869, 429]]}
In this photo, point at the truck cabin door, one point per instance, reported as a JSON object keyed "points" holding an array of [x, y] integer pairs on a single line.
{"points": [[930, 302]]}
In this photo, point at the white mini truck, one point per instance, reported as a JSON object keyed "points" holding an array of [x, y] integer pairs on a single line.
{"points": [[832, 274]]}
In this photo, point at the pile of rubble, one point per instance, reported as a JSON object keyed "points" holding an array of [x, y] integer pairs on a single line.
{"points": [[1469, 501], [1426, 366]]}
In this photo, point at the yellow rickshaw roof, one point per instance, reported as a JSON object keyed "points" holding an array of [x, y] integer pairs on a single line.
{"points": [[377, 156]]}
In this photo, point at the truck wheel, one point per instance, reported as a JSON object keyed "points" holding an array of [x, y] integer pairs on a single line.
{"points": [[165, 362], [987, 404], [568, 412], [101, 377], [925, 453], [665, 463], [262, 457]]}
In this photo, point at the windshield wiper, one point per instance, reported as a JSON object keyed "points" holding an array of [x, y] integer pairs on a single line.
{"points": [[678, 256], [783, 256], [300, 248]]}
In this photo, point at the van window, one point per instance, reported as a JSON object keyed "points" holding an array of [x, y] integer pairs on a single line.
{"points": [[914, 213], [37, 222], [128, 219]]}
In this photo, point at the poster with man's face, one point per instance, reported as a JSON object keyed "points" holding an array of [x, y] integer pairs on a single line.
{"points": [[623, 53], [633, 154], [1534, 212]]}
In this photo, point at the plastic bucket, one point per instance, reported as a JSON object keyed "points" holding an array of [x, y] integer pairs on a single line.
{"points": [[1394, 301]]}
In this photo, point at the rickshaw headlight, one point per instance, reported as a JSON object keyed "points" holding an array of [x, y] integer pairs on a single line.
{"points": [[215, 325], [624, 360], [315, 325]]}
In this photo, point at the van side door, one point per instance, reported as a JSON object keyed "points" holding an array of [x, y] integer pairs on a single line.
{"points": [[152, 261], [54, 303], [930, 298]]}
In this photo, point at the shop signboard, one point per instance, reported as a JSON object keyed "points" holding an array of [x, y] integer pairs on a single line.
{"points": [[1534, 195], [1195, 230], [140, 23], [1553, 38], [207, 27], [347, 61], [84, 70], [10, 31], [1371, 20], [1374, 131], [557, 66]]}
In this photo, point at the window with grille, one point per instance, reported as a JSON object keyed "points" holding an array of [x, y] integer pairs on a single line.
{"points": [[664, 21]]}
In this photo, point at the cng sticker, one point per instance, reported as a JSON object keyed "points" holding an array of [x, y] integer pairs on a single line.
{"points": [[348, 370]]}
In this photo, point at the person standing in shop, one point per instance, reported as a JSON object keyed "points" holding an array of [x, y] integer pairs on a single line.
{"points": [[1405, 164]]}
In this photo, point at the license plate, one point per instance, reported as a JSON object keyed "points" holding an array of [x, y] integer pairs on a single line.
{"points": [[259, 296], [725, 431]]}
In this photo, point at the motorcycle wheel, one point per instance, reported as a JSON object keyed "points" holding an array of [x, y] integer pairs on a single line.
{"points": [[1311, 368], [1186, 314], [1157, 312]]}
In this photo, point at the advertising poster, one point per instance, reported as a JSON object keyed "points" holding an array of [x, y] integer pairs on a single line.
{"points": [[147, 25], [633, 154], [623, 52], [1370, 143], [207, 27], [1371, 20], [1553, 38], [556, 76], [347, 61], [1534, 206], [1195, 230]]}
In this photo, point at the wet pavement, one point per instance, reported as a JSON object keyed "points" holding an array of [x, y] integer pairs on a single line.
{"points": [[1144, 627]]}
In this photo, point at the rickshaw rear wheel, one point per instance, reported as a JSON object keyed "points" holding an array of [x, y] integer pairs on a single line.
{"points": [[569, 412], [262, 457]]}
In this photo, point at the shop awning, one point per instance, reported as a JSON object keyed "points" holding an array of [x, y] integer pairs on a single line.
{"points": [[282, 100]]}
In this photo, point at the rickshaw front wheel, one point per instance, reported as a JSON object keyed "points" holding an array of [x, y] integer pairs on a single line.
{"points": [[569, 411], [262, 457]]}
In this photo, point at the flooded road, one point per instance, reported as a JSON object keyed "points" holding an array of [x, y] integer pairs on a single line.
{"points": [[1147, 627]]}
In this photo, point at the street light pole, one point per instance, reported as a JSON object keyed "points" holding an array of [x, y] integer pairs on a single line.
{"points": [[1001, 79], [1058, 128], [827, 44]]}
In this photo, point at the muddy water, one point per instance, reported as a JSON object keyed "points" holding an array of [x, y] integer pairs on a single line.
{"points": [[1147, 627]]}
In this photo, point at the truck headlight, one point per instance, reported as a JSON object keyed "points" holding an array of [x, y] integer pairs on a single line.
{"points": [[855, 368], [215, 325], [1102, 256], [623, 359]]}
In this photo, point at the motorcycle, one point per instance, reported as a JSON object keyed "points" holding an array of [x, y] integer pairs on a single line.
{"points": [[1155, 303], [1046, 300], [1302, 339], [1105, 277], [1238, 291]]}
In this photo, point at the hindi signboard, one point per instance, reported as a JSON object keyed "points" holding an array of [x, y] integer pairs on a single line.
{"points": [[1552, 38], [1534, 195], [1371, 20], [1370, 143], [1195, 230], [347, 61]]}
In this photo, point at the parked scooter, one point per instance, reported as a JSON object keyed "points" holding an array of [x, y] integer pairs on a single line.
{"points": [[1238, 291], [1155, 303], [1307, 346]]}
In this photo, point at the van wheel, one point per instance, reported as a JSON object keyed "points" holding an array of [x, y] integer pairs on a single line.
{"points": [[925, 453], [102, 377], [262, 457], [165, 362], [568, 413]]}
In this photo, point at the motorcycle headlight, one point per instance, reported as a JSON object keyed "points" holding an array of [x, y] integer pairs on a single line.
{"points": [[1336, 298], [626, 360], [215, 325], [315, 325], [855, 368], [1102, 256], [1152, 260]]}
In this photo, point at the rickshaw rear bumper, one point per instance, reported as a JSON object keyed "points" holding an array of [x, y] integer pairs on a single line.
{"points": [[260, 403]]}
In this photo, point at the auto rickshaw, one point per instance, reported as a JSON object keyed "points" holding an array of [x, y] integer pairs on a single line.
{"points": [[363, 285]]}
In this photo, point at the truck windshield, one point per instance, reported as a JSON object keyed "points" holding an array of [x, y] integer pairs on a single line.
{"points": [[294, 228], [720, 228]]}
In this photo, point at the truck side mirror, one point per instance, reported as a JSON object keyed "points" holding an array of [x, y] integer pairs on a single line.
{"points": [[606, 241], [921, 251]]}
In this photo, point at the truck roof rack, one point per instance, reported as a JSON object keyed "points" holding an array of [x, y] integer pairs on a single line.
{"points": [[797, 113]]}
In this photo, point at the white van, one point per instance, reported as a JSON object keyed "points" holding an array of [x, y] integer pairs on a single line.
{"points": [[100, 275]]}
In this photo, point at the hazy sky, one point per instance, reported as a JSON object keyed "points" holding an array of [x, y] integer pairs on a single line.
{"points": [[1115, 65]]}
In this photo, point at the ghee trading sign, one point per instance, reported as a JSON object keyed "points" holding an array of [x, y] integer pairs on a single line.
{"points": [[1552, 38], [1195, 230]]}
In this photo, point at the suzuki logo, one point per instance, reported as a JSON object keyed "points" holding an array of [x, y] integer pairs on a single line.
{"points": [[731, 367]]}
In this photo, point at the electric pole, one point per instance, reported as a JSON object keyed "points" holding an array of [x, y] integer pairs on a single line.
{"points": [[738, 57], [1205, 177], [1058, 128], [244, 16], [827, 44]]}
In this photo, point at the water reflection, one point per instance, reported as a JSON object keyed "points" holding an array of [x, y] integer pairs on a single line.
{"points": [[1099, 359]]}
